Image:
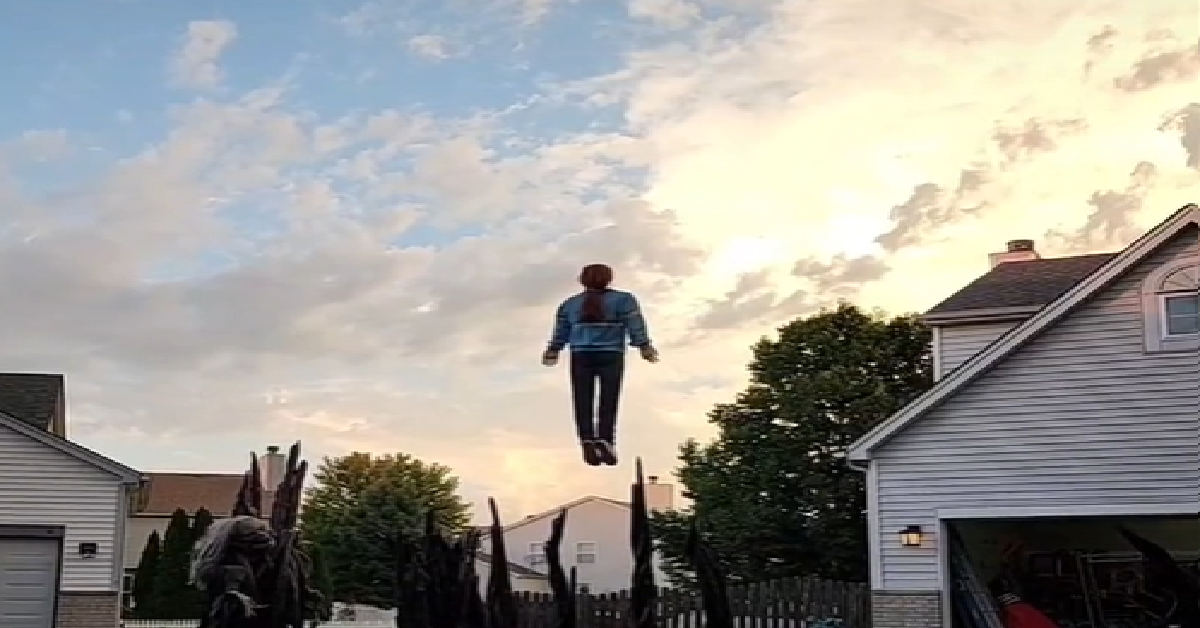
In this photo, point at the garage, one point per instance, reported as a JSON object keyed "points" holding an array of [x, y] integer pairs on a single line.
{"points": [[1082, 572], [29, 577]]}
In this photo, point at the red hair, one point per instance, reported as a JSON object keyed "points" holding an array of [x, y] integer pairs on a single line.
{"points": [[595, 279]]}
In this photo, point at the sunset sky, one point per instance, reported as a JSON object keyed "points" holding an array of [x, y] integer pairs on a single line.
{"points": [[235, 224]]}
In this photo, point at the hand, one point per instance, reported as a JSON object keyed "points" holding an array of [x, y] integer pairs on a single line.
{"points": [[649, 353], [550, 358]]}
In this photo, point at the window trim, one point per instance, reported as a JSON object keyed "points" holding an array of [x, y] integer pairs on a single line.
{"points": [[1155, 293]]}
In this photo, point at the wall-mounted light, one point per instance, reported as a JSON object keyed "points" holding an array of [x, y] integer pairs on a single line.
{"points": [[911, 536], [88, 550]]}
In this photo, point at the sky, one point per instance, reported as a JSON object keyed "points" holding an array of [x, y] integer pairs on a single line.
{"points": [[237, 224]]}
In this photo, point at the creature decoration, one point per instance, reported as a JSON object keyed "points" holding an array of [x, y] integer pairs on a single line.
{"points": [[252, 570]]}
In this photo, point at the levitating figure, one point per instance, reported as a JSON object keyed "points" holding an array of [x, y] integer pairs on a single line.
{"points": [[597, 325]]}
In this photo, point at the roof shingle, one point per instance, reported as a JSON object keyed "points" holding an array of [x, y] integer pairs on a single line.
{"points": [[164, 492], [1032, 283], [31, 397]]}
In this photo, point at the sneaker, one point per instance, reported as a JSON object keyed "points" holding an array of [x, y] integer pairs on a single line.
{"points": [[591, 452], [607, 452]]}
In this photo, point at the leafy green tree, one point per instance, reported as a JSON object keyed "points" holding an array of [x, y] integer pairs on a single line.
{"points": [[357, 506], [143, 578], [773, 492], [172, 594]]}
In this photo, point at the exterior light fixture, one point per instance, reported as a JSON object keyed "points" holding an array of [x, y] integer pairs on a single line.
{"points": [[911, 536]]}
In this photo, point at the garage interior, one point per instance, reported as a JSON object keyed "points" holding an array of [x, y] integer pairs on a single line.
{"points": [[1078, 572]]}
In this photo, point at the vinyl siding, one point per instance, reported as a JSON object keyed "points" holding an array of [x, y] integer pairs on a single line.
{"points": [[40, 485], [1082, 415], [957, 343]]}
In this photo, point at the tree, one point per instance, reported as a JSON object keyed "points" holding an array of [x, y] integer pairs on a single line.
{"points": [[358, 505], [321, 581], [201, 521], [143, 578], [172, 594], [773, 491]]}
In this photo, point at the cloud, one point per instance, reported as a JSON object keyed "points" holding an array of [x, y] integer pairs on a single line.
{"points": [[433, 47], [382, 277], [195, 66]]}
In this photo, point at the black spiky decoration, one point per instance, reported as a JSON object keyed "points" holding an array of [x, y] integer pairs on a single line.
{"points": [[292, 592], [563, 589], [710, 578], [643, 591], [501, 605], [1182, 584], [249, 496]]}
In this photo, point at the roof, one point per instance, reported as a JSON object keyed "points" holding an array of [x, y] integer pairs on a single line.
{"points": [[164, 492], [485, 530], [520, 571], [1022, 284], [31, 397], [980, 363]]}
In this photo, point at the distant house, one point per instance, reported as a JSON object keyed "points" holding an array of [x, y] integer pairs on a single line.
{"points": [[1067, 403], [62, 513], [596, 541]]}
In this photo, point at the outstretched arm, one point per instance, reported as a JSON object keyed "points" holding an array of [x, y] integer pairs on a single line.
{"points": [[639, 336], [562, 329]]}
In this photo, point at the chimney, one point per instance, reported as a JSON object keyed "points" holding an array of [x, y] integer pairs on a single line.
{"points": [[271, 465], [1015, 251], [659, 497]]}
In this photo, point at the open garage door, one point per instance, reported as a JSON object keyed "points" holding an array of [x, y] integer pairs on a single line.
{"points": [[28, 582], [1080, 572]]}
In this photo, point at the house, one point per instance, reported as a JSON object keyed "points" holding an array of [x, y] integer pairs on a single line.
{"points": [[1067, 403], [523, 578], [596, 540], [62, 513]]}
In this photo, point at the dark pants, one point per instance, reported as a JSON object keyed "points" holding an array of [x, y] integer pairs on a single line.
{"points": [[592, 419]]}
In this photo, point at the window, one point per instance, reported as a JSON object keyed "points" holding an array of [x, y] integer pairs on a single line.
{"points": [[1181, 314], [127, 589], [585, 552], [1171, 309], [537, 554]]}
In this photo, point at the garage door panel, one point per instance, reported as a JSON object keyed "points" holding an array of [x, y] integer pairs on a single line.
{"points": [[28, 580]]}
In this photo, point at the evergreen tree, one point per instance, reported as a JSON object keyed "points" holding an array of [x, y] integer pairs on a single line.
{"points": [[172, 595], [773, 492], [143, 579], [200, 524]]}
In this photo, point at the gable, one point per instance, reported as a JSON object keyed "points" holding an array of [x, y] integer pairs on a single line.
{"points": [[1172, 240], [37, 448]]}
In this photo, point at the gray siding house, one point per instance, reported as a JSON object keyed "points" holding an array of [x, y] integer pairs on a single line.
{"points": [[1067, 404], [62, 514]]}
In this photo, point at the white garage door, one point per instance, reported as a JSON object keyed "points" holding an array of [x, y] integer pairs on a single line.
{"points": [[28, 580]]}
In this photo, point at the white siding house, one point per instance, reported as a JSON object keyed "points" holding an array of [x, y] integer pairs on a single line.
{"points": [[62, 515], [1087, 407], [595, 542]]}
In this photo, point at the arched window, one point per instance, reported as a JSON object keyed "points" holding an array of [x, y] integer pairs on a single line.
{"points": [[1171, 306]]}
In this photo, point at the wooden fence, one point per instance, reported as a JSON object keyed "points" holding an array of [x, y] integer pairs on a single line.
{"points": [[786, 603]]}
